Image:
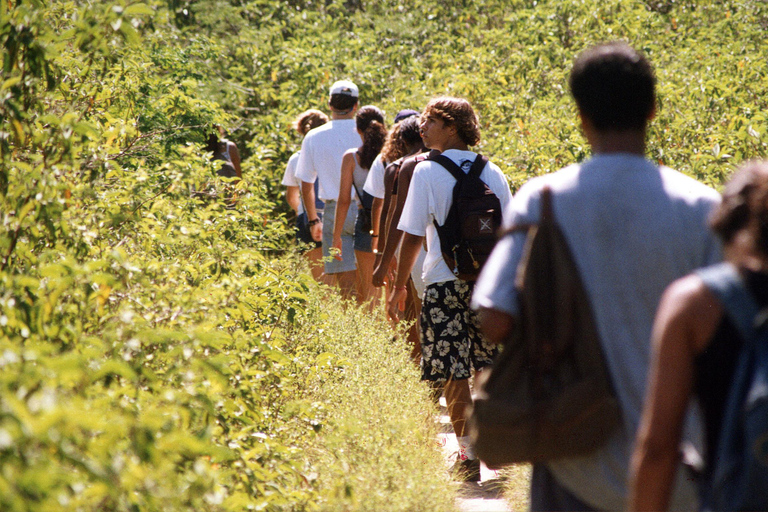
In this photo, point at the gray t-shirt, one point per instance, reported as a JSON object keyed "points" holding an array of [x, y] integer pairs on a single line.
{"points": [[633, 228]]}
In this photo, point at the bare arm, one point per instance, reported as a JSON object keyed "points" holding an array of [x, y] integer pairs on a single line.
{"points": [[308, 195], [394, 235], [343, 202], [381, 270], [409, 251], [685, 322], [496, 325], [292, 197], [376, 216]]}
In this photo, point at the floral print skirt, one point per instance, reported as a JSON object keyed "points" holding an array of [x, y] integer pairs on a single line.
{"points": [[451, 343]]}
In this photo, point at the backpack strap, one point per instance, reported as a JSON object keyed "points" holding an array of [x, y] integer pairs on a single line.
{"points": [[727, 284], [477, 166]]}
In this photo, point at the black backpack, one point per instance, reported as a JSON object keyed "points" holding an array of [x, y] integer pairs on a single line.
{"points": [[470, 230]]}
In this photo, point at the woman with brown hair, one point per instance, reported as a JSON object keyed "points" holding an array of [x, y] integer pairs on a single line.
{"points": [[697, 349], [355, 165]]}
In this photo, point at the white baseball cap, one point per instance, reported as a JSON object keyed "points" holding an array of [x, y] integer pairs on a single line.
{"points": [[344, 87]]}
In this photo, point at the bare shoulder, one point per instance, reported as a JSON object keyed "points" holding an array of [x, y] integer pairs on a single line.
{"points": [[688, 303]]}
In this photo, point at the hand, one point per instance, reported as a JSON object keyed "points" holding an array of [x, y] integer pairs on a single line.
{"points": [[317, 232], [380, 275], [336, 248], [396, 302]]}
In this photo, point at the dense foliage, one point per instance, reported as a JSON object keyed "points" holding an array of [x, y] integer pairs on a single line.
{"points": [[161, 347]]}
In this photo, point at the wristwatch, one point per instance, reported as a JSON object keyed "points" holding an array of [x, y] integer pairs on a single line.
{"points": [[313, 222]]}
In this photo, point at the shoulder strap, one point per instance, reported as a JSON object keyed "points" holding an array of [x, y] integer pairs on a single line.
{"points": [[727, 284], [477, 166], [449, 165], [357, 190]]}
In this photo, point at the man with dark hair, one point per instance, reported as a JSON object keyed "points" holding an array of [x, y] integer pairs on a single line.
{"points": [[451, 344], [633, 227], [320, 159]]}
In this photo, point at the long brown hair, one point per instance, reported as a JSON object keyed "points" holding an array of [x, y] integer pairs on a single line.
{"points": [[370, 121]]}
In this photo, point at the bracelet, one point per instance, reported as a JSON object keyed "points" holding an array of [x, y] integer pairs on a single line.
{"points": [[313, 222], [374, 236]]}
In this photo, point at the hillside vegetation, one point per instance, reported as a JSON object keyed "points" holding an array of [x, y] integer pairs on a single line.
{"points": [[164, 350]]}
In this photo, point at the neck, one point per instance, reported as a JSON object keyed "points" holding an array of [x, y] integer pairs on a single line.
{"points": [[619, 142], [452, 143], [338, 115], [614, 141], [416, 148]]}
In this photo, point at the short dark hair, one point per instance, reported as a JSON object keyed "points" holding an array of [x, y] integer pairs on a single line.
{"points": [[744, 206], [458, 113], [613, 85], [342, 102]]}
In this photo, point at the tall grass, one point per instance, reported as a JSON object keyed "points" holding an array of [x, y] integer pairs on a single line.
{"points": [[376, 449]]}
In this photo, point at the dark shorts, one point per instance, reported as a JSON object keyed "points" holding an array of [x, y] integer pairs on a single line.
{"points": [[302, 229], [363, 239], [451, 344]]}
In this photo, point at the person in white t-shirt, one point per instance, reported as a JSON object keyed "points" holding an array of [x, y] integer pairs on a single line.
{"points": [[320, 160], [305, 122], [452, 345]]}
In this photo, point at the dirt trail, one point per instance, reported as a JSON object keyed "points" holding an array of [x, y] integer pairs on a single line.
{"points": [[485, 496]]}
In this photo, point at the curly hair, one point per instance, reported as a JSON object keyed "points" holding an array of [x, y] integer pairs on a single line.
{"points": [[370, 122], [744, 206], [308, 120], [459, 113], [402, 135]]}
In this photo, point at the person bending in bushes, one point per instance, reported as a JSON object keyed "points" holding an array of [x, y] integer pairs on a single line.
{"points": [[320, 159], [633, 227], [451, 342]]}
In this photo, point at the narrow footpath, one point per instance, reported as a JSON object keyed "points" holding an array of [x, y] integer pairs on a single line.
{"points": [[483, 496]]}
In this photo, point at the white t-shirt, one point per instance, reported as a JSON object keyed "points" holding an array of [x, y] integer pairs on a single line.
{"points": [[633, 228], [321, 153], [290, 179], [429, 198], [374, 183]]}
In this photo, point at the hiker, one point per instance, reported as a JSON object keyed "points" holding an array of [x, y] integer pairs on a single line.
{"points": [[305, 122], [451, 343], [355, 165], [697, 345], [374, 183], [320, 160], [633, 227], [397, 178], [225, 151]]}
